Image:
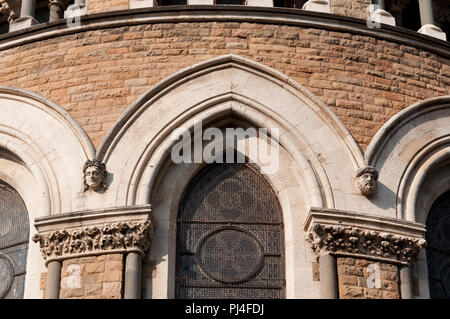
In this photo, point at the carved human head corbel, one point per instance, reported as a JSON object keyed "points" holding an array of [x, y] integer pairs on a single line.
{"points": [[366, 179], [94, 175]]}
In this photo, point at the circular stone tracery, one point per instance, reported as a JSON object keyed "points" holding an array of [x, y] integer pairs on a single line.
{"points": [[229, 254], [6, 275]]}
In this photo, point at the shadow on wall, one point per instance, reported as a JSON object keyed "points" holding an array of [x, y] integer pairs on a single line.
{"points": [[384, 192]]}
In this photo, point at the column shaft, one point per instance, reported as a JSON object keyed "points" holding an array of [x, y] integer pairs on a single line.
{"points": [[53, 280], [328, 277], [406, 290], [133, 274], [426, 12], [27, 8], [56, 10]]}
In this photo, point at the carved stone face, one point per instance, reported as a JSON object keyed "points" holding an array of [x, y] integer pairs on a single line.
{"points": [[367, 183], [93, 178]]}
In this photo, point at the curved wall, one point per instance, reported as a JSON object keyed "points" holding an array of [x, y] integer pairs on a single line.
{"points": [[363, 75]]}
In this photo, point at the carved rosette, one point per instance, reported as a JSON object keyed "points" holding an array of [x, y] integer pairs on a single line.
{"points": [[120, 237], [349, 240]]}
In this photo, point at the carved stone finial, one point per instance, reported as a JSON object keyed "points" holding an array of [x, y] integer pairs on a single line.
{"points": [[118, 237], [366, 179], [6, 10], [94, 175], [349, 240]]}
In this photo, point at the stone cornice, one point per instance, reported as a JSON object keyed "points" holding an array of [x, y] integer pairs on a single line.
{"points": [[174, 14], [95, 232], [343, 233]]}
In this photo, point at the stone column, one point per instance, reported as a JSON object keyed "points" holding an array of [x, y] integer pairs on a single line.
{"points": [[26, 16], [133, 275], [426, 12], [53, 280], [27, 8], [56, 10], [97, 253], [427, 21], [406, 287], [360, 254], [328, 277]]}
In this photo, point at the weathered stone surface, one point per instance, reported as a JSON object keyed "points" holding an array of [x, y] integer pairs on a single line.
{"points": [[87, 277], [364, 80], [367, 279]]}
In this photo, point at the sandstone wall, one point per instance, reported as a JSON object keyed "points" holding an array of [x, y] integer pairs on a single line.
{"points": [[96, 75], [357, 279]]}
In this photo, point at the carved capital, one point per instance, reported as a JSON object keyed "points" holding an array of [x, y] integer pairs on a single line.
{"points": [[345, 233], [118, 237], [356, 241]]}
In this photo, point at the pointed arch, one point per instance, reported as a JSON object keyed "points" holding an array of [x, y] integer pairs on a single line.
{"points": [[42, 150], [410, 151], [47, 141], [231, 84]]}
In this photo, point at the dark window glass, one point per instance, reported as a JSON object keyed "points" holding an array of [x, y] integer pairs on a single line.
{"points": [[4, 25], [438, 247], [298, 4], [42, 11], [230, 236], [14, 230], [441, 11], [405, 12]]}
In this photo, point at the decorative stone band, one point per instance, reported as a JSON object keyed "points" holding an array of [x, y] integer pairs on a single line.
{"points": [[92, 233], [365, 236]]}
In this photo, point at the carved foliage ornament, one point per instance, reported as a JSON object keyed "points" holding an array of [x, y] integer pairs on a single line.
{"points": [[350, 240], [119, 236]]}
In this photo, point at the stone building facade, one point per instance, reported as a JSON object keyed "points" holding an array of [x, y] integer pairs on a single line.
{"points": [[356, 107]]}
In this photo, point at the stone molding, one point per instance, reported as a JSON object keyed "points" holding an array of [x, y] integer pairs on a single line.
{"points": [[93, 233], [343, 233], [225, 13]]}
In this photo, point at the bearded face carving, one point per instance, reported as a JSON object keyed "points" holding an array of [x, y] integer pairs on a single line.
{"points": [[94, 175], [366, 179]]}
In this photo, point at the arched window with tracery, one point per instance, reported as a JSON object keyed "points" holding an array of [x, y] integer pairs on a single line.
{"points": [[230, 241], [14, 231], [438, 247]]}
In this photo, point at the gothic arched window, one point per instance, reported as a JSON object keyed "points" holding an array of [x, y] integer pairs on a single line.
{"points": [[438, 247], [14, 231], [230, 241]]}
